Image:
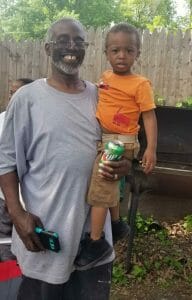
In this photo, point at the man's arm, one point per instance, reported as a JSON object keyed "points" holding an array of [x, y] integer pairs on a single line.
{"points": [[23, 221], [150, 125]]}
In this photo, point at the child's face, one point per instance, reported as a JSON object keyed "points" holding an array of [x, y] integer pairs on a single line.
{"points": [[122, 51]]}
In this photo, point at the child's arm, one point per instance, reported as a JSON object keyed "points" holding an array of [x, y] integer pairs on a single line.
{"points": [[150, 125]]}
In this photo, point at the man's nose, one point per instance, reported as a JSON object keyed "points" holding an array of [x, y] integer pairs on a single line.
{"points": [[71, 44]]}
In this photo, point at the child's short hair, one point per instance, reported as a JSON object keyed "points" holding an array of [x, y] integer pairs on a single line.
{"points": [[124, 27]]}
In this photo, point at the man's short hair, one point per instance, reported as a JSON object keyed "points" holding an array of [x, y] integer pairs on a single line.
{"points": [[51, 31]]}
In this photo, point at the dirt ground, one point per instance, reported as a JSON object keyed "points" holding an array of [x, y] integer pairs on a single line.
{"points": [[162, 266]]}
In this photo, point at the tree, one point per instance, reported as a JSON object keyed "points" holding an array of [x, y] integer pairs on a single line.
{"points": [[23, 19], [189, 4], [141, 13], [98, 13], [30, 18]]}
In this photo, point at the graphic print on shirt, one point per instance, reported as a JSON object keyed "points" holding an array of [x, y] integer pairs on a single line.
{"points": [[120, 119]]}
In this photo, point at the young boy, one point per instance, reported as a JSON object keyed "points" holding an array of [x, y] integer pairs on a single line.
{"points": [[123, 96]]}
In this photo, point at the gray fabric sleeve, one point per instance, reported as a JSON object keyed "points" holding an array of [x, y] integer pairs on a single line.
{"points": [[12, 140]]}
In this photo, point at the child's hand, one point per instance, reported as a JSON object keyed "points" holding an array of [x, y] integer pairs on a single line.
{"points": [[148, 161]]}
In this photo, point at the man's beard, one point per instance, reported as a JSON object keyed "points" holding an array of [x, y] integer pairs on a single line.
{"points": [[69, 68], [66, 68]]}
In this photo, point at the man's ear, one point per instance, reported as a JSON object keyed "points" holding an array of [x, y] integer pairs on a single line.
{"points": [[48, 49]]}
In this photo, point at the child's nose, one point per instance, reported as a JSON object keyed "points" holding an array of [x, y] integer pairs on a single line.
{"points": [[122, 54]]}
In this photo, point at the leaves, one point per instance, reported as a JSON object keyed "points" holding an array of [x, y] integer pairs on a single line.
{"points": [[162, 263], [188, 220], [22, 19]]}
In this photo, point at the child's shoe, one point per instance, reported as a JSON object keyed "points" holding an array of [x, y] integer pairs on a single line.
{"points": [[92, 252], [120, 230]]}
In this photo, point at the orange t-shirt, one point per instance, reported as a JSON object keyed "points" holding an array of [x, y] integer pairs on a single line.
{"points": [[121, 100]]}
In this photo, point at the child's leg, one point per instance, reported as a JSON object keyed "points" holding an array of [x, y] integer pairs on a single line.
{"points": [[114, 211], [94, 247], [98, 216], [120, 228]]}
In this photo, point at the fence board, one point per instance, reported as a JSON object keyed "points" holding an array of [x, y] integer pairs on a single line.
{"points": [[145, 53], [166, 59], [185, 75]]}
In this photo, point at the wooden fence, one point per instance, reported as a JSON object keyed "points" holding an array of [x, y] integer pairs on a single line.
{"points": [[166, 59]]}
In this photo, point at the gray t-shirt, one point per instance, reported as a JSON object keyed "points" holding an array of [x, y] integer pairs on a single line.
{"points": [[50, 138]]}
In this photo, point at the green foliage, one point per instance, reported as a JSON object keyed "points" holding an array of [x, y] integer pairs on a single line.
{"points": [[188, 223], [162, 236], [139, 272], [30, 19], [158, 265], [98, 13], [119, 275], [142, 224], [159, 100], [148, 13], [187, 103], [173, 262], [158, 256], [22, 19], [189, 279], [164, 283]]}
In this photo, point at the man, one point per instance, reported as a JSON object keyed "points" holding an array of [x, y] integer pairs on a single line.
{"points": [[49, 145]]}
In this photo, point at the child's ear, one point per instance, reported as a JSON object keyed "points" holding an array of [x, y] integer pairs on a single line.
{"points": [[105, 51], [138, 53]]}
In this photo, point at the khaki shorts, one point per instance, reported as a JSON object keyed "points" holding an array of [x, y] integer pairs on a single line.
{"points": [[105, 193]]}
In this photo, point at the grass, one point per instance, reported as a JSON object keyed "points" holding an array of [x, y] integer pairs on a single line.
{"points": [[162, 260]]}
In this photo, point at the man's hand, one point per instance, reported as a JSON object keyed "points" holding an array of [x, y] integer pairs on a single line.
{"points": [[114, 170], [25, 224]]}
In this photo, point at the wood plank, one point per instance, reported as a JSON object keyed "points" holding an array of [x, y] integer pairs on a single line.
{"points": [[166, 59]]}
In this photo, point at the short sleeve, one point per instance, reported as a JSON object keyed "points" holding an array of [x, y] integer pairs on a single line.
{"points": [[12, 145], [144, 96]]}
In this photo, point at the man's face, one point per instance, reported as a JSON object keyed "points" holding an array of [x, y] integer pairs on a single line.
{"points": [[67, 50]]}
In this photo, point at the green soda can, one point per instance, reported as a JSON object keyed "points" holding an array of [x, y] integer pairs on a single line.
{"points": [[113, 151]]}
